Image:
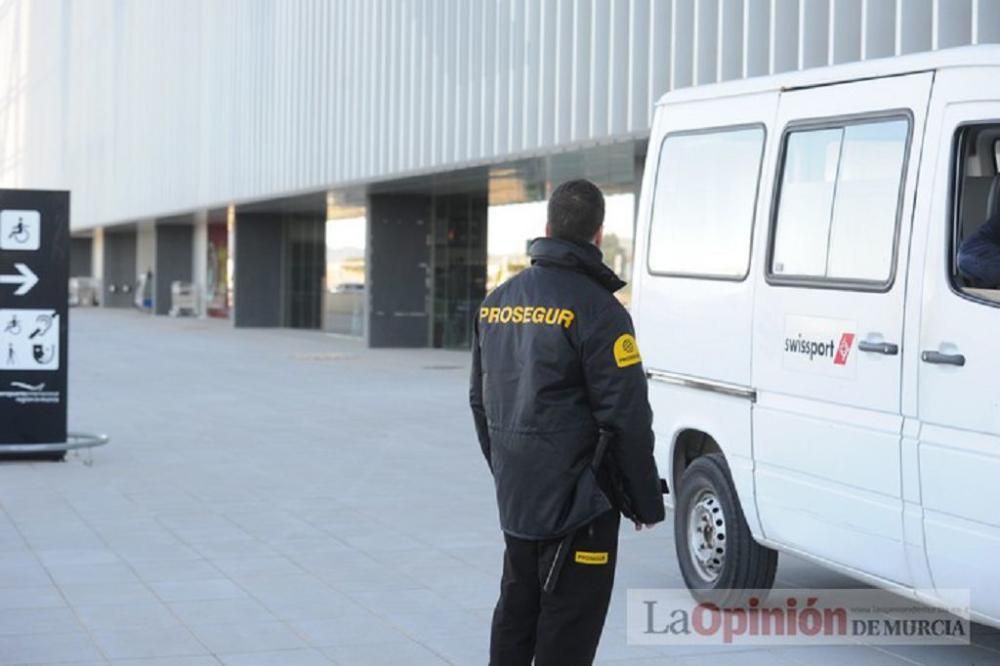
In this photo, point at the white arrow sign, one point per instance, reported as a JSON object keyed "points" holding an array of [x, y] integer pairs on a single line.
{"points": [[27, 279]]}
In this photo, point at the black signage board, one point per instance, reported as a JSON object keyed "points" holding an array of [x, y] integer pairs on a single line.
{"points": [[34, 277]]}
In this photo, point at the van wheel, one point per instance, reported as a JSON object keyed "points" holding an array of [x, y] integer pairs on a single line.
{"points": [[718, 556]]}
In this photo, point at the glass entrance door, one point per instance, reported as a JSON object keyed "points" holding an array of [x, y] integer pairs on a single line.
{"points": [[458, 255]]}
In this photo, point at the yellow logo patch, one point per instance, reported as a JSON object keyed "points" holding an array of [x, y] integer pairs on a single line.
{"points": [[586, 557], [626, 351]]}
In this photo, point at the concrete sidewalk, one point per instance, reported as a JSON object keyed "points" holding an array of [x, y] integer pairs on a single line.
{"points": [[289, 499]]}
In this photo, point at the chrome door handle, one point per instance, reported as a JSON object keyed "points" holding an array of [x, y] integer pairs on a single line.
{"points": [[940, 358], [887, 348]]}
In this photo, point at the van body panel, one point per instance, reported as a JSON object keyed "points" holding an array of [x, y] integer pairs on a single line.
{"points": [[827, 425], [718, 310], [866, 435], [958, 407], [965, 57], [713, 340], [867, 459], [725, 418]]}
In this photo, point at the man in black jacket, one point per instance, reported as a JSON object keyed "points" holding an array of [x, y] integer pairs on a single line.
{"points": [[555, 361]]}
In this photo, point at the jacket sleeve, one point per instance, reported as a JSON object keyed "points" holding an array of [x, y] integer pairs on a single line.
{"points": [[616, 385], [476, 396]]}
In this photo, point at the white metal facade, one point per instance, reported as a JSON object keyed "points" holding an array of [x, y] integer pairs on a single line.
{"points": [[148, 107]]}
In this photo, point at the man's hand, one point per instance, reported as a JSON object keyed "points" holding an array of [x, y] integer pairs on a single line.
{"points": [[639, 526]]}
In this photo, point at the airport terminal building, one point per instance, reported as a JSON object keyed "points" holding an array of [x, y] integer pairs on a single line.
{"points": [[373, 167]]}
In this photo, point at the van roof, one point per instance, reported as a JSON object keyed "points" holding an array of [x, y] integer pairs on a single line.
{"points": [[985, 55]]}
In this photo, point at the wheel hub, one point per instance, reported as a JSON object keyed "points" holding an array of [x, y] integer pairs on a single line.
{"points": [[707, 536]]}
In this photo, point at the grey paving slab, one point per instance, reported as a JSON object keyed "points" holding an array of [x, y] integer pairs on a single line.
{"points": [[38, 621], [261, 506], [47, 649], [34, 596], [150, 640], [221, 611], [247, 636], [385, 654], [169, 661], [307, 657], [137, 614], [197, 590]]}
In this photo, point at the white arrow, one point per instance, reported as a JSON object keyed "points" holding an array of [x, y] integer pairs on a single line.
{"points": [[27, 279]]}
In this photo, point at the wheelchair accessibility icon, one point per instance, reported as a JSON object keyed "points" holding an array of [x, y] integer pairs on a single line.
{"points": [[20, 230]]}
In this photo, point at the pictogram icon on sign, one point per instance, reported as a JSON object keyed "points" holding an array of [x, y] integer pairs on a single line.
{"points": [[20, 230], [25, 279]]}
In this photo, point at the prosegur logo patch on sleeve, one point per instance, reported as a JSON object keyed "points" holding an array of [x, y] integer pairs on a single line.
{"points": [[626, 351]]}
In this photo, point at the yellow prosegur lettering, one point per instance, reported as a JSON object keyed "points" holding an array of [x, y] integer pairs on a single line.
{"points": [[586, 557], [528, 314], [626, 351], [566, 318]]}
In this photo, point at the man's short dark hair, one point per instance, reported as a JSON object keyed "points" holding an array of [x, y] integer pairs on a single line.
{"points": [[576, 211]]}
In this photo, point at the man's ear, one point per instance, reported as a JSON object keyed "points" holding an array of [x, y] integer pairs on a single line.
{"points": [[548, 230], [599, 237]]}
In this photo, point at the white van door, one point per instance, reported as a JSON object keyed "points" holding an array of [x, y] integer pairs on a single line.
{"points": [[957, 358], [693, 294], [828, 322]]}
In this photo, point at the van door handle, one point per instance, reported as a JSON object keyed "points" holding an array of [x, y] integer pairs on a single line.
{"points": [[887, 348], [942, 359]]}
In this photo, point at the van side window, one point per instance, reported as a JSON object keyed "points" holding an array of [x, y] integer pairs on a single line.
{"points": [[838, 203], [703, 203], [975, 253]]}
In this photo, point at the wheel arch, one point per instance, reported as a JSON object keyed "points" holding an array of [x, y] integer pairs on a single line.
{"points": [[689, 443]]}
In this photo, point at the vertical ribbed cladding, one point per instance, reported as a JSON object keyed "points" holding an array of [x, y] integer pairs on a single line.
{"points": [[161, 106]]}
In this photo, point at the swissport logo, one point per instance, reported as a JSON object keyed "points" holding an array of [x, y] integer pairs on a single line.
{"points": [[813, 349], [844, 349]]}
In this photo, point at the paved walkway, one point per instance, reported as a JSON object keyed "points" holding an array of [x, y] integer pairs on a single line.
{"points": [[288, 499]]}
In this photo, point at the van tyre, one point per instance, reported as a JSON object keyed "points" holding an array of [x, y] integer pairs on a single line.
{"points": [[719, 559]]}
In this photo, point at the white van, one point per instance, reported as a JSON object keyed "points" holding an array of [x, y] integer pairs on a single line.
{"points": [[824, 381]]}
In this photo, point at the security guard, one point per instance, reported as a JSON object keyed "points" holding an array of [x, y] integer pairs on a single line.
{"points": [[554, 363]]}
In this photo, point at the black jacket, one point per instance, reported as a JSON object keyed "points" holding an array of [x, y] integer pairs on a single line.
{"points": [[554, 359], [979, 255]]}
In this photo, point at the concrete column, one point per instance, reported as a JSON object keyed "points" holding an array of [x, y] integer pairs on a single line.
{"points": [[199, 259], [97, 257]]}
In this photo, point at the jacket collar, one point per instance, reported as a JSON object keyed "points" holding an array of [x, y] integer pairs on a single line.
{"points": [[585, 258]]}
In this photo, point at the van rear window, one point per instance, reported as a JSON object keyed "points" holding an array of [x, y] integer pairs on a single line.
{"points": [[839, 202], [703, 203]]}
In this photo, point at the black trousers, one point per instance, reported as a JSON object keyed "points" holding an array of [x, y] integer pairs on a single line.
{"points": [[561, 628]]}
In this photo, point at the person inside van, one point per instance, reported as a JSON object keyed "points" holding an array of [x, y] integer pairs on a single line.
{"points": [[979, 256]]}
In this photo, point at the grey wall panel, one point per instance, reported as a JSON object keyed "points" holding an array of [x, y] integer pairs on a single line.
{"points": [[259, 270], [147, 108], [80, 257], [399, 256], [174, 261], [119, 270]]}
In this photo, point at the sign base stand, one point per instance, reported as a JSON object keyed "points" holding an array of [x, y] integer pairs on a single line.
{"points": [[74, 440]]}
